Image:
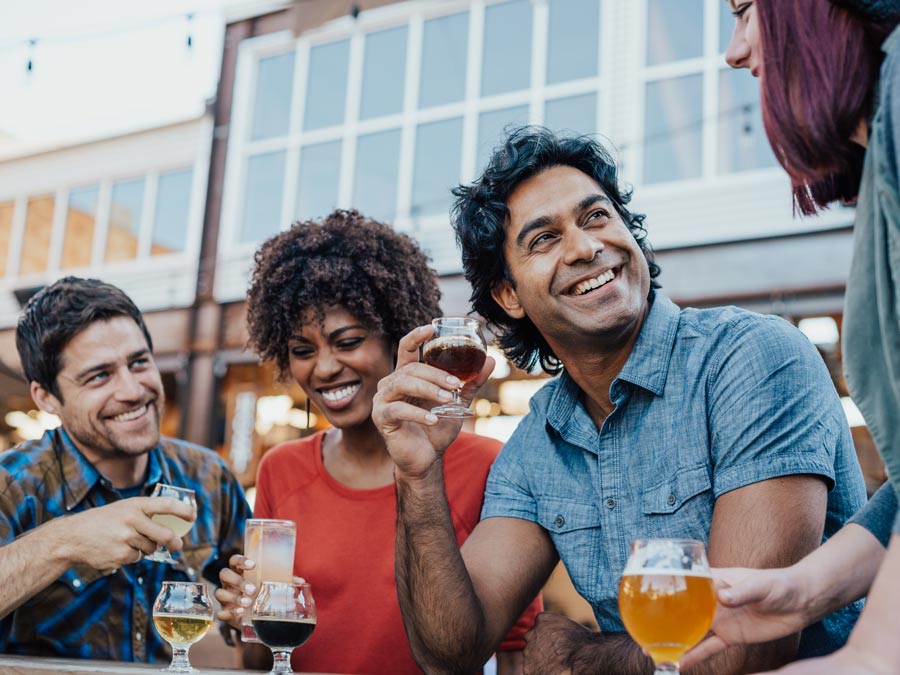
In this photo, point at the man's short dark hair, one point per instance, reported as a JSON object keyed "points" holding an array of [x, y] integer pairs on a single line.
{"points": [[56, 314], [480, 215]]}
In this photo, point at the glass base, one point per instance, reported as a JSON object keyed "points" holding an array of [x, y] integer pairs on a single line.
{"points": [[453, 411], [161, 555]]}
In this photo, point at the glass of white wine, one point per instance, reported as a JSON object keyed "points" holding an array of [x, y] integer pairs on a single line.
{"points": [[182, 615], [178, 525]]}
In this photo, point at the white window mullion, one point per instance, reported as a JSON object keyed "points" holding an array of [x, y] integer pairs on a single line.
{"points": [[148, 213], [58, 229], [351, 120], [539, 29], [473, 89], [295, 130], [407, 135], [101, 231], [710, 87], [17, 236]]}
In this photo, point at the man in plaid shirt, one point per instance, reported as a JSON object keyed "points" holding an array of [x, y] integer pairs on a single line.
{"points": [[75, 515]]}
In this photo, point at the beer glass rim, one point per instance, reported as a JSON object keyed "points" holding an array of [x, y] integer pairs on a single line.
{"points": [[285, 584], [668, 540], [270, 521], [184, 583], [464, 320]]}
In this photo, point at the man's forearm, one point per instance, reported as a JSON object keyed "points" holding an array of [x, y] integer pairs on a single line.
{"points": [[28, 565], [443, 617]]}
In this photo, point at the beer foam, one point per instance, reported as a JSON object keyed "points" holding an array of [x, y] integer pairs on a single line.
{"points": [[665, 572], [452, 341]]}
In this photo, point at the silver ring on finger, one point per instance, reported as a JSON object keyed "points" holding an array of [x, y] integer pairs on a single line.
{"points": [[140, 556]]}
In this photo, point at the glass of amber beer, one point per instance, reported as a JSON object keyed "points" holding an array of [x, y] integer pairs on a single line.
{"points": [[182, 615], [666, 598], [456, 346]]}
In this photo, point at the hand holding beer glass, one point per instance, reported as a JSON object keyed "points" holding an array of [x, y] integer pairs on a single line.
{"points": [[666, 598], [284, 616], [457, 347], [178, 525], [182, 615]]}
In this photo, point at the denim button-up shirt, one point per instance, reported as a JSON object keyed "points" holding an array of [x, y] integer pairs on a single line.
{"points": [[709, 401]]}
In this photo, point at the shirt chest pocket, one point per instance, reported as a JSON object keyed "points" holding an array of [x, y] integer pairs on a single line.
{"points": [[574, 528], [680, 506]]}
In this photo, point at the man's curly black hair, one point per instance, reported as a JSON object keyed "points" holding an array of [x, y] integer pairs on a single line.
{"points": [[380, 276], [479, 217]]}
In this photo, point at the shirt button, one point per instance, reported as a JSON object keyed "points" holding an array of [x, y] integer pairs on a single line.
{"points": [[671, 500], [139, 636], [140, 581], [77, 583], [560, 521], [610, 503]]}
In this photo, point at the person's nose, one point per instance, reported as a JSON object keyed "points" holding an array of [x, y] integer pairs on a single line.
{"points": [[130, 387], [327, 364], [580, 246], [738, 53]]}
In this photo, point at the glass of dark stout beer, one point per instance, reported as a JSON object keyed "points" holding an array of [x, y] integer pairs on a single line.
{"points": [[457, 346], [284, 616]]}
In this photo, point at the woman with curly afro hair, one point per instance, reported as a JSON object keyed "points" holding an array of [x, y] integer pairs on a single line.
{"points": [[328, 303]]}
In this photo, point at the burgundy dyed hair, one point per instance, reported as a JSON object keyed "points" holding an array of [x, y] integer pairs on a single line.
{"points": [[818, 78]]}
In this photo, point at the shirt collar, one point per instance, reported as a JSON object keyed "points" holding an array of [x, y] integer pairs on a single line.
{"points": [[647, 365], [81, 476]]}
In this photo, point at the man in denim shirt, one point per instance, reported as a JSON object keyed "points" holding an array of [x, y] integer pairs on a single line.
{"points": [[719, 425], [75, 511]]}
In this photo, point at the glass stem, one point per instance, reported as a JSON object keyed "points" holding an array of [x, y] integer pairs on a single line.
{"points": [[282, 665], [180, 662], [667, 668]]}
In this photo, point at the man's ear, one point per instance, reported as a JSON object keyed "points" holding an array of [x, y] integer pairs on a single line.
{"points": [[45, 400], [505, 296]]}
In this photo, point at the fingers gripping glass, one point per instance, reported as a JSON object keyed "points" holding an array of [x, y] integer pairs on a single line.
{"points": [[182, 615], [284, 617], [178, 525], [666, 598], [457, 346]]}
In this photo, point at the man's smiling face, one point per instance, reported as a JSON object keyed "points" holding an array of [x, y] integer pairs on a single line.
{"points": [[579, 273]]}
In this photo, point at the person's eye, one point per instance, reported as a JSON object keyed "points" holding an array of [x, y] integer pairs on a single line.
{"points": [[541, 241], [741, 9], [598, 214], [301, 352], [348, 344], [140, 363], [97, 378]]}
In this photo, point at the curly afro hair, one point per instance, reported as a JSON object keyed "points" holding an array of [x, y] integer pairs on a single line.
{"points": [[380, 276]]}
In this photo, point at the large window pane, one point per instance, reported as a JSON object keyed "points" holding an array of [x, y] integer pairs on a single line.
{"points": [[742, 138], [573, 39], [38, 225], [375, 180], [81, 219], [726, 26], [445, 45], [384, 73], [125, 212], [572, 115], [326, 89], [262, 197], [673, 129], [320, 172], [674, 30], [491, 130], [507, 47], [272, 102], [6, 216], [173, 206], [436, 169]]}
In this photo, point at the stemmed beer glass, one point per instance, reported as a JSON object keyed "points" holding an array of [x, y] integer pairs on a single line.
{"points": [[456, 346], [182, 615], [284, 616], [178, 525], [666, 598]]}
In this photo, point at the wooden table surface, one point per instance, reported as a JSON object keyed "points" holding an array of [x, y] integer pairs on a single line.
{"points": [[39, 665]]}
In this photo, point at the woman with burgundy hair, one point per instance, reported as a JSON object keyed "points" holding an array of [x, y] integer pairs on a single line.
{"points": [[829, 76]]}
